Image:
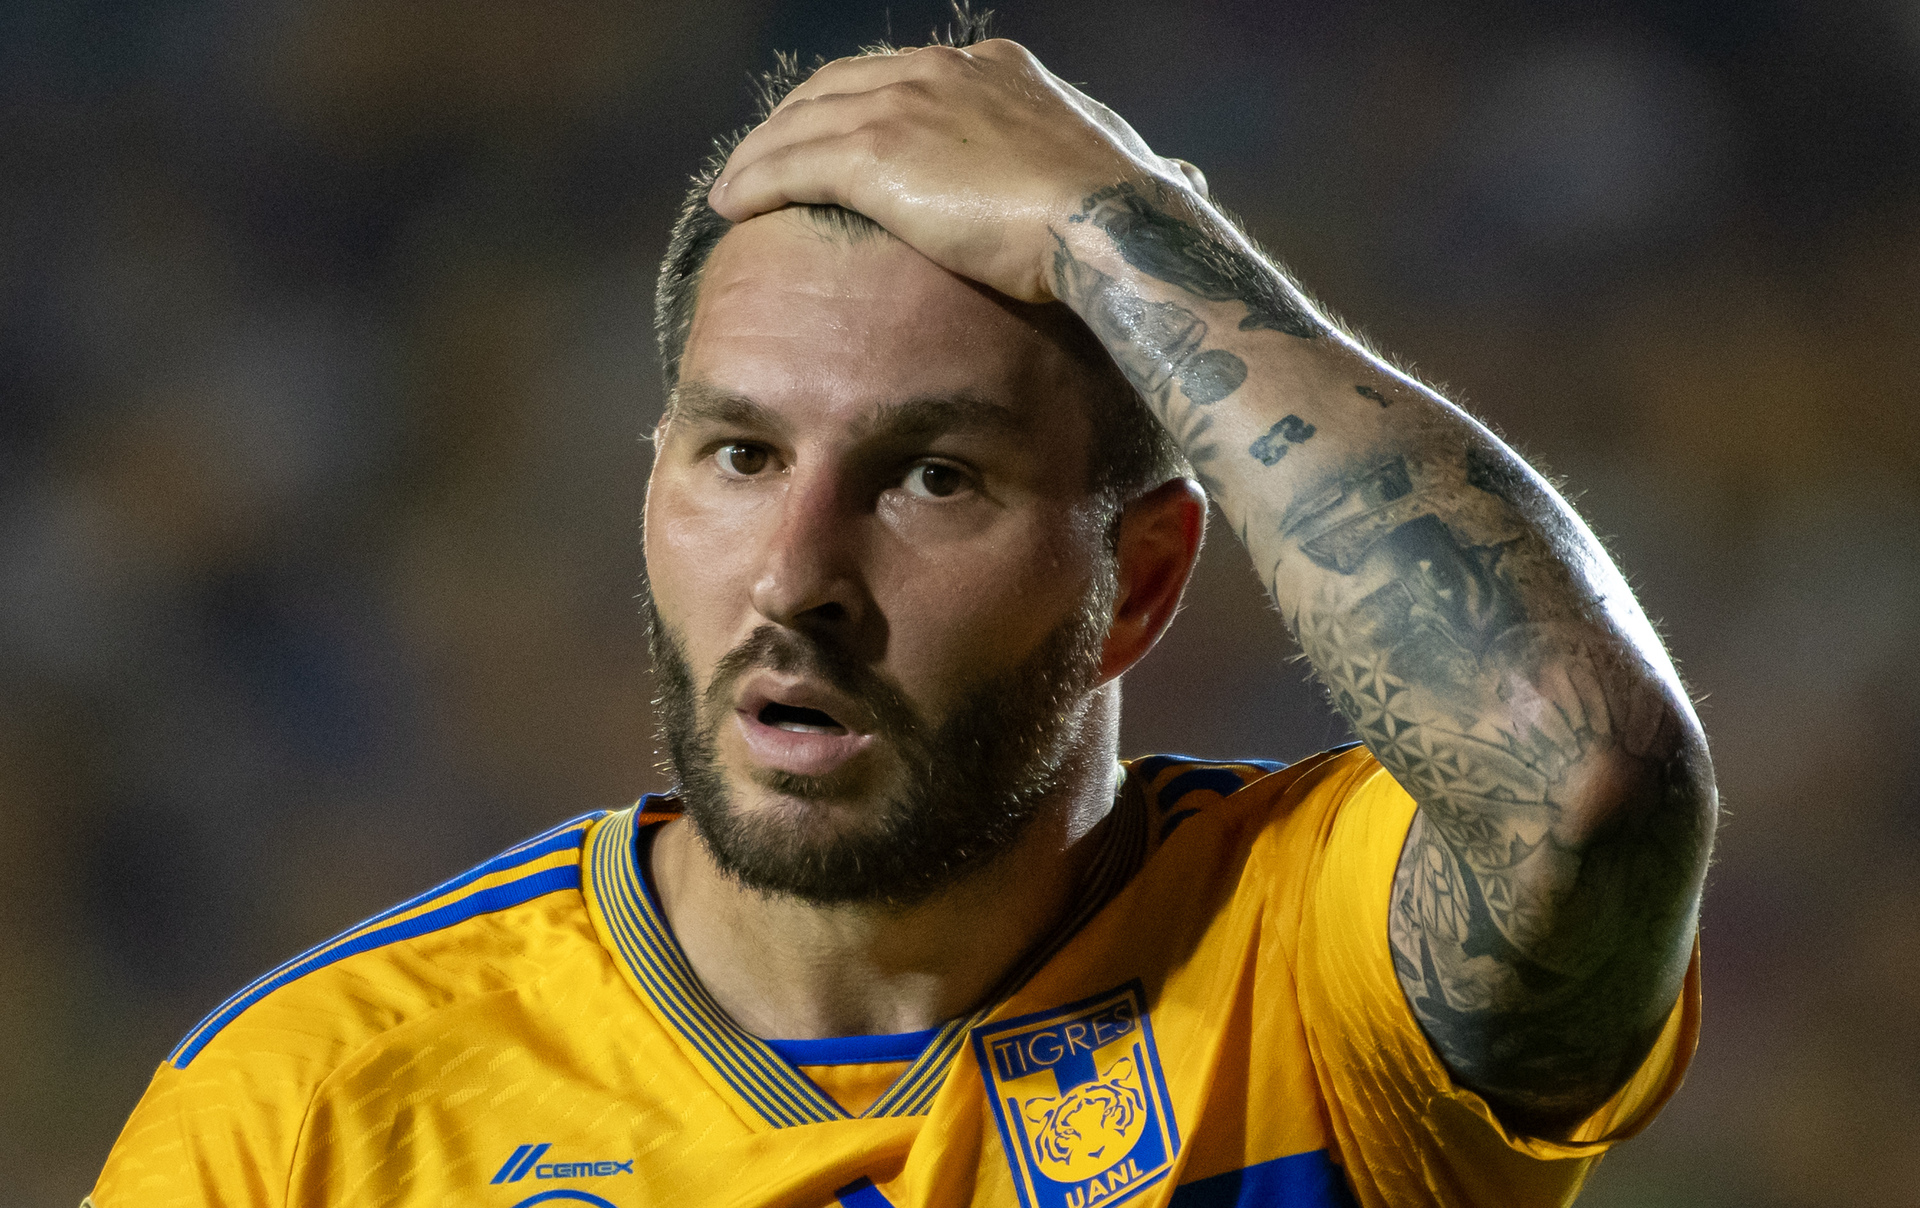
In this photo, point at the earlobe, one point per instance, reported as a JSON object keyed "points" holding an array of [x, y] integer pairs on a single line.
{"points": [[1160, 534]]}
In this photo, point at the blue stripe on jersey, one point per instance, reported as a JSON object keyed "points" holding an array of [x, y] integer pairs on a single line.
{"points": [[565, 1193], [751, 1066], [521, 1162], [358, 938], [568, 834], [861, 1193], [1149, 766], [775, 1089], [1301, 1180], [1174, 820], [1221, 780], [855, 1050], [500, 897], [512, 1162]]}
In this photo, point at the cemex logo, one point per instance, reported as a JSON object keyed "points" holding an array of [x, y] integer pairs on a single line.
{"points": [[526, 1160]]}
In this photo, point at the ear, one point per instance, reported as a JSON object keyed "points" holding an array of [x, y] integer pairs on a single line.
{"points": [[1159, 542]]}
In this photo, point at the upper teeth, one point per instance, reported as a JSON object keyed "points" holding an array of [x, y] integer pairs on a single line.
{"points": [[803, 728]]}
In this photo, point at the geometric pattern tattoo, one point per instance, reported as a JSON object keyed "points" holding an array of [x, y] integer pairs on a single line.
{"points": [[1448, 601]]}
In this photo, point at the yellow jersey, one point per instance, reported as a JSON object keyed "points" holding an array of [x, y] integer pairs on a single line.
{"points": [[1215, 1022]]}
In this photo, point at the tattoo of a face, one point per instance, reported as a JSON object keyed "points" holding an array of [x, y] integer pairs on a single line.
{"points": [[1291, 430], [1168, 248], [1446, 613]]}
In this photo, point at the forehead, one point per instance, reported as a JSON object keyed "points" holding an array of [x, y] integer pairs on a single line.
{"points": [[796, 317]]}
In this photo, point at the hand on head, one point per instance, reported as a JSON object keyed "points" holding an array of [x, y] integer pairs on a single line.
{"points": [[969, 155]]}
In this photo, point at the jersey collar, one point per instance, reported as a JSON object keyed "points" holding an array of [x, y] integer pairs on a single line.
{"points": [[651, 960]]}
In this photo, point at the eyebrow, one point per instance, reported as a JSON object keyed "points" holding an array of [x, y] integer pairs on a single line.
{"points": [[701, 403], [920, 416]]}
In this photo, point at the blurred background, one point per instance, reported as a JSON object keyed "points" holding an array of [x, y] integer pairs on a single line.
{"points": [[324, 355]]}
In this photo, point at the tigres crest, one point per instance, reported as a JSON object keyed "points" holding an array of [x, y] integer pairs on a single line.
{"points": [[1080, 1101]]}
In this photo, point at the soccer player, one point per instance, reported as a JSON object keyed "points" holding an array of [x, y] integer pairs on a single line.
{"points": [[949, 347]]}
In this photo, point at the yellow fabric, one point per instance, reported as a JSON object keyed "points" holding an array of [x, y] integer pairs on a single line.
{"points": [[1230, 994], [855, 1087], [1397, 1115]]}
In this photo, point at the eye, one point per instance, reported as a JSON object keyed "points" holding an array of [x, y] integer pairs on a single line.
{"points": [[935, 480], [741, 461]]}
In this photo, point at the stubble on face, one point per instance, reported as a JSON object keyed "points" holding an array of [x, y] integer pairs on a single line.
{"points": [[963, 791]]}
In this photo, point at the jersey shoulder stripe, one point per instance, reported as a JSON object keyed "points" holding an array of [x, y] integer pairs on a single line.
{"points": [[451, 902], [1170, 783], [1179, 787]]}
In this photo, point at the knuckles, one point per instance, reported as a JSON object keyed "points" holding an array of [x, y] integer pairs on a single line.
{"points": [[901, 121], [1003, 48], [907, 94], [939, 58]]}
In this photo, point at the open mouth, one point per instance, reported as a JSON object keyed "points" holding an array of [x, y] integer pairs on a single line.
{"points": [[799, 738], [797, 720]]}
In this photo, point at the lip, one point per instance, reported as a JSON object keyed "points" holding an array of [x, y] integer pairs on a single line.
{"points": [[797, 752]]}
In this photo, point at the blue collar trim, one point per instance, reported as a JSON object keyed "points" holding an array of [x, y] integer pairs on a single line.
{"points": [[855, 1050]]}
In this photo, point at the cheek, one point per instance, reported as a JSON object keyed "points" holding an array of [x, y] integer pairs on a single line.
{"points": [[697, 567], [962, 612]]}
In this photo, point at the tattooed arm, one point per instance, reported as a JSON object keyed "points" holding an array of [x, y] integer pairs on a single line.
{"points": [[1472, 630], [1464, 619]]}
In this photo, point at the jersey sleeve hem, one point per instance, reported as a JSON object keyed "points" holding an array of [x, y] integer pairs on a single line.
{"points": [[1362, 839]]}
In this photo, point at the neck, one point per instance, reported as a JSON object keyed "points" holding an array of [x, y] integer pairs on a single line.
{"points": [[792, 970]]}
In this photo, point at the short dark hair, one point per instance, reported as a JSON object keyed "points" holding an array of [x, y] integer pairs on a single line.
{"points": [[1131, 451]]}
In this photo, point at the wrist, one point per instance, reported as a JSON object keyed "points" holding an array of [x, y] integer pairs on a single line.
{"points": [[1150, 234]]}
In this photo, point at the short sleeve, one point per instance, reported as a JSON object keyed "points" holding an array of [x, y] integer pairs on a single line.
{"points": [[1407, 1133]]}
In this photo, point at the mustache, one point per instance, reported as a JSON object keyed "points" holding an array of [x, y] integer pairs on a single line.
{"points": [[883, 709]]}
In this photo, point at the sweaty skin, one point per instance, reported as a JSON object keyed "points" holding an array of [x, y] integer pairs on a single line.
{"points": [[856, 453], [1462, 616]]}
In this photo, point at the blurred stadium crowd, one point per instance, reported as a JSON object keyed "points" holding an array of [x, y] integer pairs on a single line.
{"points": [[325, 357]]}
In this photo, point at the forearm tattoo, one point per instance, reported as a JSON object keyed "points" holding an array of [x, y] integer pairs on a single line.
{"points": [[1535, 942], [1168, 248], [1160, 346], [1450, 604]]}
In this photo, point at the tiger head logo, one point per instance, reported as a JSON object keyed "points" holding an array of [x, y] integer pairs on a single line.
{"points": [[1083, 1132]]}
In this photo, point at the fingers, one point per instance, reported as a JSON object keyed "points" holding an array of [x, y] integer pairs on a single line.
{"points": [[786, 159], [835, 102], [930, 64], [822, 116], [803, 173], [863, 73], [962, 154]]}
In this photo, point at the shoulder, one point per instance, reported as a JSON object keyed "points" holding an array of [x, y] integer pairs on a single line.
{"points": [[491, 926], [225, 1110], [1268, 835], [1246, 798], [498, 924]]}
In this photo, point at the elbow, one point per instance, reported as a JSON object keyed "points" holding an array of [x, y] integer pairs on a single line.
{"points": [[1649, 786]]}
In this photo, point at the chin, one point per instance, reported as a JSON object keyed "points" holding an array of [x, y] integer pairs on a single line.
{"points": [[817, 811], [794, 837]]}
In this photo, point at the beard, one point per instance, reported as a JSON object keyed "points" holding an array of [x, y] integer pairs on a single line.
{"points": [[967, 788]]}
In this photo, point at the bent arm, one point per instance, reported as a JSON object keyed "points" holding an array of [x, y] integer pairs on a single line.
{"points": [[1466, 622], [1472, 630]]}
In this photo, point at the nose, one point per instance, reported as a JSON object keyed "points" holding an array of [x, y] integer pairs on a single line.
{"points": [[809, 576]]}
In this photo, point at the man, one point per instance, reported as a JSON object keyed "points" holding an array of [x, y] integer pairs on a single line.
{"points": [[907, 933]]}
